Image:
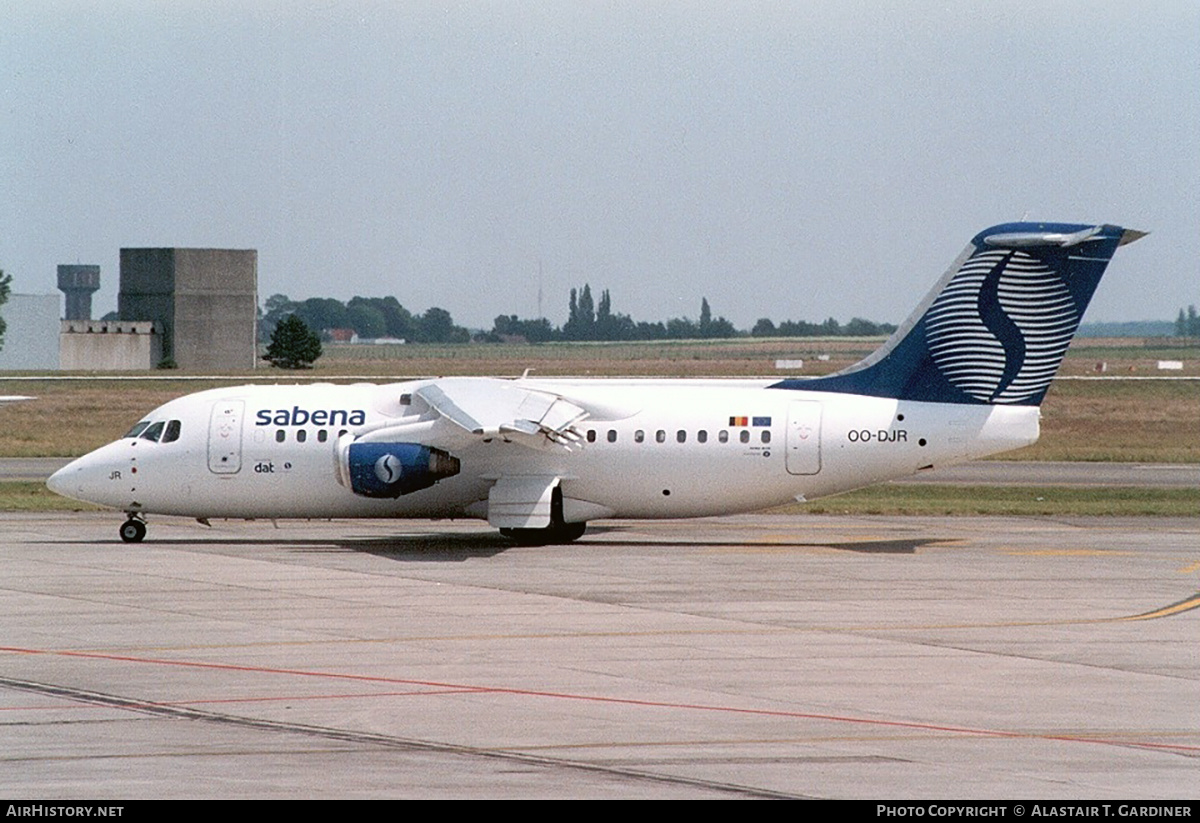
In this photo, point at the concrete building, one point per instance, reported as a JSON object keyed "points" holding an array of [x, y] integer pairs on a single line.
{"points": [[205, 302], [31, 340], [113, 345]]}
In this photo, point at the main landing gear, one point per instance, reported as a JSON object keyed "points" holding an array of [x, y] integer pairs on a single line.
{"points": [[556, 532], [133, 530]]}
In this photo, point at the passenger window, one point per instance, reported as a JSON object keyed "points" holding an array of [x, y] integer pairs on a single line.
{"points": [[172, 432], [702, 436], [612, 435], [744, 436], [766, 436], [681, 436], [660, 436], [280, 435], [301, 436], [138, 429], [322, 436], [591, 436], [154, 432], [723, 436], [639, 436]]}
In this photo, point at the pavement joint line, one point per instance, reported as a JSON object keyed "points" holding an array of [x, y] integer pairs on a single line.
{"points": [[150, 706], [384, 740]]}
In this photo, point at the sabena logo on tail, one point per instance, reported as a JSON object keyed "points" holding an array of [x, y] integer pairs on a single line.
{"points": [[1000, 328]]}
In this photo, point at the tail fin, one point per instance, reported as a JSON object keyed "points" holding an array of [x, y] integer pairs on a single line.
{"points": [[995, 327]]}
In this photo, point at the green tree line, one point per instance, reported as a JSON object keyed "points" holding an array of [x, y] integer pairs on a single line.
{"points": [[588, 319], [369, 317]]}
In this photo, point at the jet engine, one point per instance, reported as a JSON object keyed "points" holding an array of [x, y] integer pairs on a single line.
{"points": [[380, 469]]}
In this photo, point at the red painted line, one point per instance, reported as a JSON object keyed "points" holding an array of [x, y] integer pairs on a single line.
{"points": [[459, 688]]}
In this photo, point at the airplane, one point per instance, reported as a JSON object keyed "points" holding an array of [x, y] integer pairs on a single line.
{"points": [[961, 378]]}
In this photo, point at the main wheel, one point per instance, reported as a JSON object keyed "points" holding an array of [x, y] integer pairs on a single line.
{"points": [[132, 531], [549, 536], [570, 532]]}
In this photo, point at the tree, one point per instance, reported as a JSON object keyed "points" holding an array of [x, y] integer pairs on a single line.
{"points": [[400, 323], [581, 319], [322, 313], [765, 327], [5, 290], [277, 307], [710, 328], [587, 310], [437, 326], [293, 345], [366, 320], [509, 325]]}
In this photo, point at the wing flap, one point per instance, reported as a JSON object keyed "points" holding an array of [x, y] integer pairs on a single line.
{"points": [[490, 408]]}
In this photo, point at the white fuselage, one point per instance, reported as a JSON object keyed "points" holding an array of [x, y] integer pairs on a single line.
{"points": [[650, 449]]}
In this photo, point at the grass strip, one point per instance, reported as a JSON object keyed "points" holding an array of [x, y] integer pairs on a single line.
{"points": [[32, 496]]}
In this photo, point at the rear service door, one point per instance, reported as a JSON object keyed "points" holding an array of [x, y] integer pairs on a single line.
{"points": [[804, 437]]}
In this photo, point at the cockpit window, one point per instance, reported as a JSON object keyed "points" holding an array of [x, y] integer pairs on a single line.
{"points": [[154, 432], [138, 429], [172, 432]]}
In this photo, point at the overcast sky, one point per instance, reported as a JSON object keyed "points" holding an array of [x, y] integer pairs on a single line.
{"points": [[787, 160]]}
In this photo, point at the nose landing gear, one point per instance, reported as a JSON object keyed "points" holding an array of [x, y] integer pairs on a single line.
{"points": [[133, 530]]}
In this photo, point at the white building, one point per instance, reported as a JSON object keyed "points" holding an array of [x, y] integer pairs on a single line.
{"points": [[31, 341]]}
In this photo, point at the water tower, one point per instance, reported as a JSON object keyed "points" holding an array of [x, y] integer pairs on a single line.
{"points": [[78, 283]]}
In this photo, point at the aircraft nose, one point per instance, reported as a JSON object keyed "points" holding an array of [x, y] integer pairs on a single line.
{"points": [[91, 478], [65, 480]]}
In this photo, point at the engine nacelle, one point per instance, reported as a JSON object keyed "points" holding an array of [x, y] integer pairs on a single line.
{"points": [[393, 469]]}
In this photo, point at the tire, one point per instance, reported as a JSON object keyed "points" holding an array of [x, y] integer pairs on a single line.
{"points": [[549, 536], [132, 531]]}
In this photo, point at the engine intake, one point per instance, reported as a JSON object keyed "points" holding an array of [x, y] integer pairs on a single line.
{"points": [[393, 469]]}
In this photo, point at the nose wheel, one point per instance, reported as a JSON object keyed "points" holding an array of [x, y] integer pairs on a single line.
{"points": [[133, 530]]}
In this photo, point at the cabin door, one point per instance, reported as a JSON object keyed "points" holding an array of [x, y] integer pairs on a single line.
{"points": [[804, 437], [225, 437]]}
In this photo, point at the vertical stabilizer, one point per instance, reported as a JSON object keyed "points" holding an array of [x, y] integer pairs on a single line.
{"points": [[995, 327]]}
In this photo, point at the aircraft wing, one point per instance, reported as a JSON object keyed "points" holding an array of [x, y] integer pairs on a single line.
{"points": [[501, 408]]}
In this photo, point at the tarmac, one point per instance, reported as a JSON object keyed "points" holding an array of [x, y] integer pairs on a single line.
{"points": [[741, 657]]}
